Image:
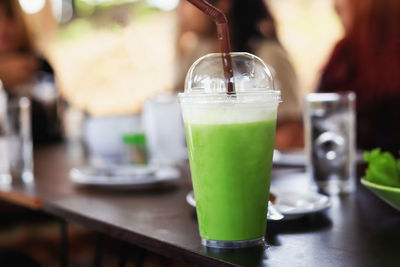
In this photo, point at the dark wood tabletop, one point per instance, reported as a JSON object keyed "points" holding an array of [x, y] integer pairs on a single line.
{"points": [[358, 230]]}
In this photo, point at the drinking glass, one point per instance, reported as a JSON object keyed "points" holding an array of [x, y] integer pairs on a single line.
{"points": [[330, 141], [164, 129], [19, 139]]}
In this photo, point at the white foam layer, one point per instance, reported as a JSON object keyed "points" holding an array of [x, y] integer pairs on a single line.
{"points": [[227, 114]]}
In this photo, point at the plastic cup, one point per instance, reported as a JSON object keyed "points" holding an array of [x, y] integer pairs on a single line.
{"points": [[230, 140]]}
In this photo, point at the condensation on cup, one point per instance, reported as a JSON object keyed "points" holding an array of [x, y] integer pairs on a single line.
{"points": [[330, 141]]}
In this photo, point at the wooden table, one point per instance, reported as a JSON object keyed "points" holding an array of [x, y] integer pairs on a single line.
{"points": [[358, 230]]}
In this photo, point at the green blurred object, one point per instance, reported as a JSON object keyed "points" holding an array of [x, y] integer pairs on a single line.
{"points": [[389, 194], [76, 29], [136, 138], [136, 147], [85, 7], [383, 168]]}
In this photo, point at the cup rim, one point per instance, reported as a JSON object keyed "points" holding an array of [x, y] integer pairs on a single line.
{"points": [[269, 96]]}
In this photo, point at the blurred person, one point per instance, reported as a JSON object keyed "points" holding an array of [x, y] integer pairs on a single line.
{"points": [[252, 29], [23, 73], [18, 67], [367, 61]]}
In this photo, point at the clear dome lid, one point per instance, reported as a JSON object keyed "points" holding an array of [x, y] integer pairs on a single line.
{"points": [[252, 80]]}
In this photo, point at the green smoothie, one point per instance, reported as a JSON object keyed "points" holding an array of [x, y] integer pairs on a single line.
{"points": [[231, 167]]}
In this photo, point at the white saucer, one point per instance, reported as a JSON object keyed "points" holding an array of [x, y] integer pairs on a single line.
{"points": [[291, 204], [124, 177], [294, 204], [294, 158], [190, 199], [298, 158], [270, 217]]}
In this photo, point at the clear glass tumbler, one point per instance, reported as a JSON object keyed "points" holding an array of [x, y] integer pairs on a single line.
{"points": [[330, 141], [19, 139]]}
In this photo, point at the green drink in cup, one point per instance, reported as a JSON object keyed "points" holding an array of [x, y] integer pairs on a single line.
{"points": [[230, 139]]}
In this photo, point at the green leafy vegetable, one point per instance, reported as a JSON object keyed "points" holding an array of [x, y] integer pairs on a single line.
{"points": [[383, 168]]}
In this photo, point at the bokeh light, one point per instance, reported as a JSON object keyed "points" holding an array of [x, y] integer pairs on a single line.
{"points": [[163, 4], [32, 6]]}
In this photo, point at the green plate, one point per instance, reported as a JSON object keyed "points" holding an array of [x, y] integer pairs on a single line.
{"points": [[389, 194]]}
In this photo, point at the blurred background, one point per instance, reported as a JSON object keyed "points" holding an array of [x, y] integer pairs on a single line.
{"points": [[110, 55]]}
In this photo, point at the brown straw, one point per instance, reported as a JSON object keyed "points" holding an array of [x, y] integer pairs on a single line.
{"points": [[223, 38]]}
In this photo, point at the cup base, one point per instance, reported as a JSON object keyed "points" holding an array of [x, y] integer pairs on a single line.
{"points": [[335, 187], [233, 244]]}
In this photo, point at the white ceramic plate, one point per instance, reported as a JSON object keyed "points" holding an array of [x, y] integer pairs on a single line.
{"points": [[294, 204], [293, 158], [190, 199], [298, 158], [270, 217], [291, 204], [124, 177]]}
